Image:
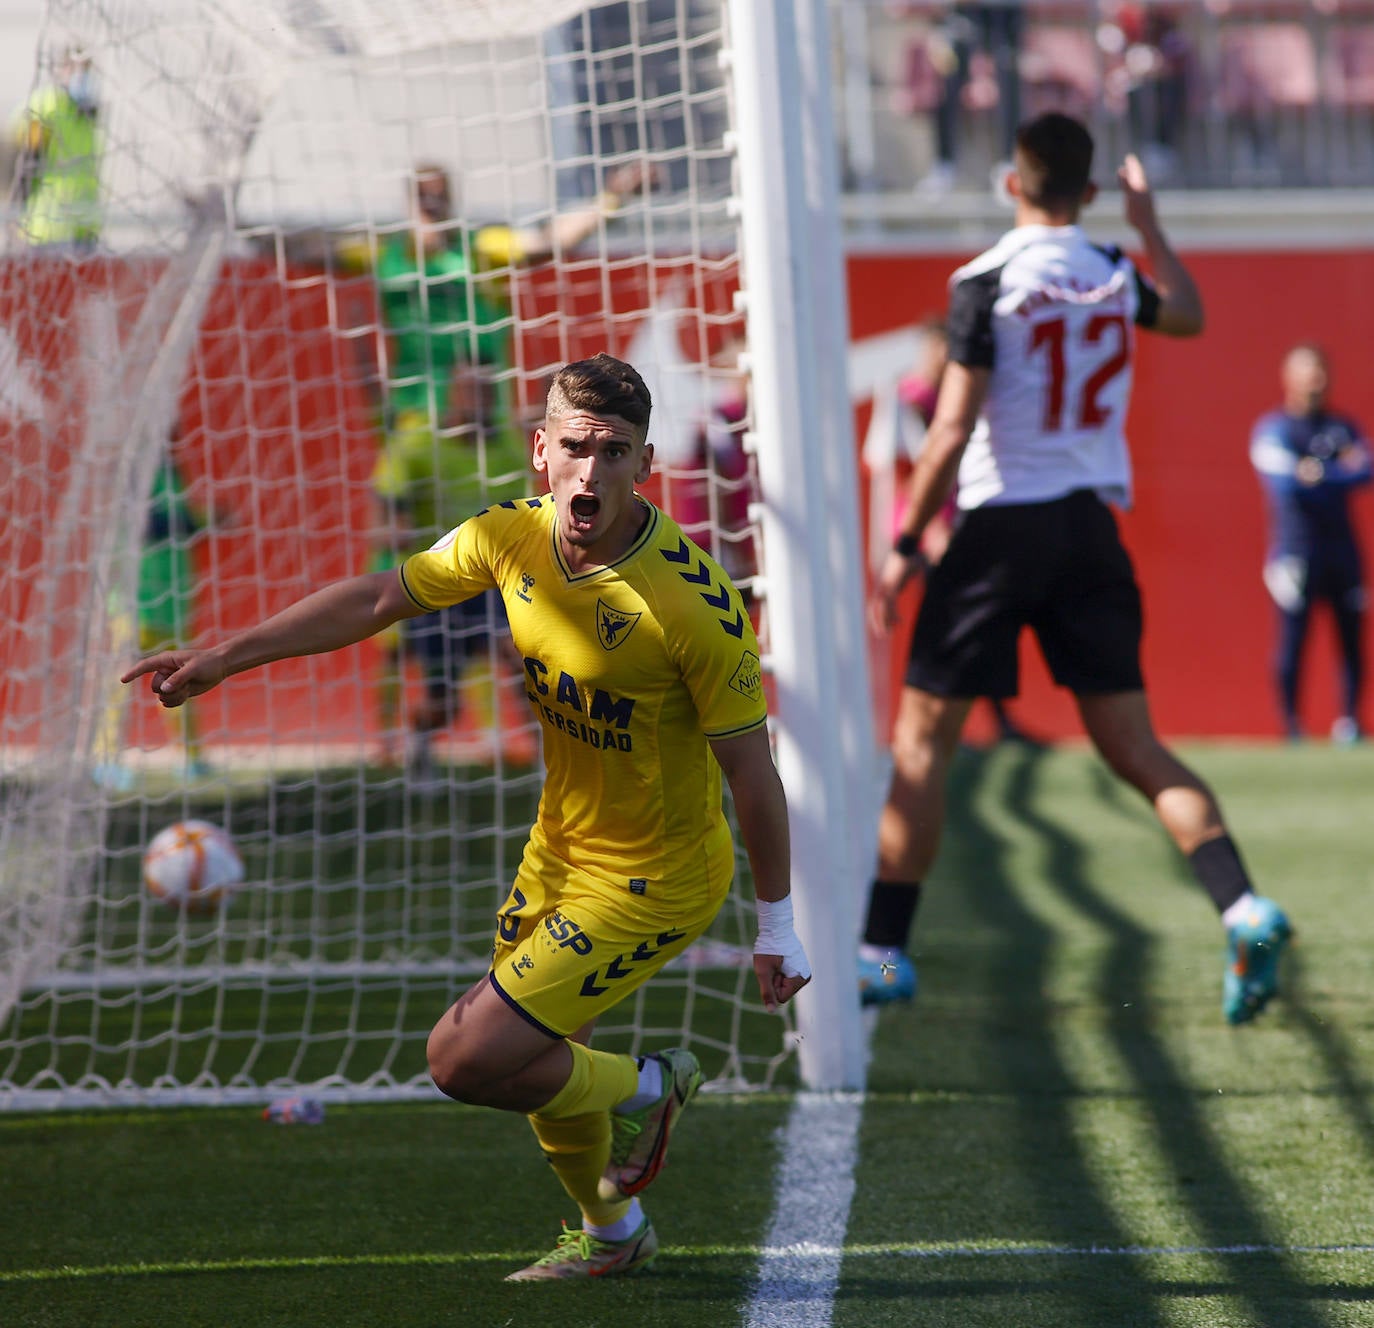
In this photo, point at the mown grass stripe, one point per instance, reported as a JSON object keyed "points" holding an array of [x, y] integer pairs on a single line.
{"points": [[1082, 1251]]}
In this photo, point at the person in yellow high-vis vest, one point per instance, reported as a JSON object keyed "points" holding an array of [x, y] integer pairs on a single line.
{"points": [[57, 134]]}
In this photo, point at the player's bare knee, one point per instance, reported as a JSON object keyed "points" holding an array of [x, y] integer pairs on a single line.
{"points": [[913, 758], [456, 1073]]}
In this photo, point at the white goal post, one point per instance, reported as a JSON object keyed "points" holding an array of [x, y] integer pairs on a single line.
{"points": [[200, 415]]}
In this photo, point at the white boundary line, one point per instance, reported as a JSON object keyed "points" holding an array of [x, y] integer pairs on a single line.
{"points": [[800, 1267], [801, 1258]]}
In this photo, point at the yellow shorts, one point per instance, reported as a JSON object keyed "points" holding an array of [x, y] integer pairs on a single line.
{"points": [[565, 954]]}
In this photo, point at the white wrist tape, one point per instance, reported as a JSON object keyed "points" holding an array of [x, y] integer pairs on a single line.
{"points": [[777, 936]]}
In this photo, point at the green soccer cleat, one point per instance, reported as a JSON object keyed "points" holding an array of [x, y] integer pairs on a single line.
{"points": [[639, 1139], [579, 1255], [1253, 949]]}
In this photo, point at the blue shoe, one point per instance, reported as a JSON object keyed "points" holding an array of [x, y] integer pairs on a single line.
{"points": [[1253, 948], [882, 982]]}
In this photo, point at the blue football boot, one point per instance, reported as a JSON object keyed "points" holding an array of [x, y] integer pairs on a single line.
{"points": [[883, 981], [1253, 948]]}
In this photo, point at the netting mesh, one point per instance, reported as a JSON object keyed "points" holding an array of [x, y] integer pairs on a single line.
{"points": [[199, 403]]}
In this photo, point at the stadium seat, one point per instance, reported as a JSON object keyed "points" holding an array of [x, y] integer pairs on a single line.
{"points": [[1348, 67], [921, 85], [1059, 67], [1261, 67]]}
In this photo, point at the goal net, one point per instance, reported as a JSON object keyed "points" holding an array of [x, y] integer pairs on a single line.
{"points": [[239, 381]]}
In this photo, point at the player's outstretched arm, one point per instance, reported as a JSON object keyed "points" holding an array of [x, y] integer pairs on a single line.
{"points": [[336, 615], [1180, 303], [569, 229], [780, 963]]}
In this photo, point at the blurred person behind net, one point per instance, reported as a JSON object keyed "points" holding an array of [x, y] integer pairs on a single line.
{"points": [[57, 135]]}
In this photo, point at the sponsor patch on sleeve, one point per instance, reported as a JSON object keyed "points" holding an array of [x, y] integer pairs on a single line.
{"points": [[747, 679]]}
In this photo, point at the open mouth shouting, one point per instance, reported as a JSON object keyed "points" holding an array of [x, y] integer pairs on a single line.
{"points": [[583, 509]]}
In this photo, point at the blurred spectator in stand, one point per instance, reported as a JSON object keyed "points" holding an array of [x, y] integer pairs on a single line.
{"points": [[1151, 75], [992, 29], [452, 442], [1265, 87], [1309, 459], [712, 505], [57, 137]]}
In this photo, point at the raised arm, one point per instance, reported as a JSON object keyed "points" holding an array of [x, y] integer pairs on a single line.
{"points": [[568, 229], [780, 963], [334, 616], [1180, 303]]}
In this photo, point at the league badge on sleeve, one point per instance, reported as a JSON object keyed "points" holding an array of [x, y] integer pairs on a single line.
{"points": [[747, 678]]}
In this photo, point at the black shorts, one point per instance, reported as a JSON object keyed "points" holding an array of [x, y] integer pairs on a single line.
{"points": [[443, 642], [1058, 568]]}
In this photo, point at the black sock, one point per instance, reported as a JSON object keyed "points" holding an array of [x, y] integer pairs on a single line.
{"points": [[891, 911], [1218, 866]]}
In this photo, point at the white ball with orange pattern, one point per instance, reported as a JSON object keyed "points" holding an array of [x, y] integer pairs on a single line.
{"points": [[192, 865]]}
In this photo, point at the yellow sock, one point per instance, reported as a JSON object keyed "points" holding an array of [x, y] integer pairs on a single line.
{"points": [[599, 1081], [578, 1149]]}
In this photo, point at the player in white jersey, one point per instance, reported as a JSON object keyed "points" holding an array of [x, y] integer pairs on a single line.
{"points": [[643, 669], [1030, 419]]}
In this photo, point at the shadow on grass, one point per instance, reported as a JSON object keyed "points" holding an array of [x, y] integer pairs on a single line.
{"points": [[1219, 1203], [1340, 1059], [1061, 1195], [1000, 1044]]}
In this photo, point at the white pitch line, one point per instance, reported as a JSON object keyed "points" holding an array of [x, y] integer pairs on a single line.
{"points": [[801, 1260], [800, 1268]]}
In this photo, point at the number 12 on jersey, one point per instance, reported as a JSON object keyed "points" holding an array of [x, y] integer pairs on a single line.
{"points": [[1105, 340]]}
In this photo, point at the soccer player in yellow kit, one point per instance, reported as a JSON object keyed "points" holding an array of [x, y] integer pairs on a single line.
{"points": [[643, 669]]}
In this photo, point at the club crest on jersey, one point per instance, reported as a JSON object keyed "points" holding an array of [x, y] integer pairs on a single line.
{"points": [[613, 625]]}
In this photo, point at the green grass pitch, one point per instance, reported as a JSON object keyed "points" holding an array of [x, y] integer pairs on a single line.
{"points": [[1061, 1131]]}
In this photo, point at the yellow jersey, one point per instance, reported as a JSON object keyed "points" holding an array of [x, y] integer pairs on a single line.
{"points": [[631, 669]]}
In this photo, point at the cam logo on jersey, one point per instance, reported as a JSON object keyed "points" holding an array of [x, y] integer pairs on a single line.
{"points": [[612, 625]]}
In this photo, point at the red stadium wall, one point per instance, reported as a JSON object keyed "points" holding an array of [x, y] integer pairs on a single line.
{"points": [[1197, 529], [279, 390]]}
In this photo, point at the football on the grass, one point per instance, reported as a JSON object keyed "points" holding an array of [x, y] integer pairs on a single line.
{"points": [[192, 865]]}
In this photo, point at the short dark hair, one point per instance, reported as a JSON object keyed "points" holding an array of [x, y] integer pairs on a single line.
{"points": [[602, 385], [1054, 158]]}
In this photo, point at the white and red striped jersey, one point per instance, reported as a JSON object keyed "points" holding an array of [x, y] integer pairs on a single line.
{"points": [[1053, 316]]}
